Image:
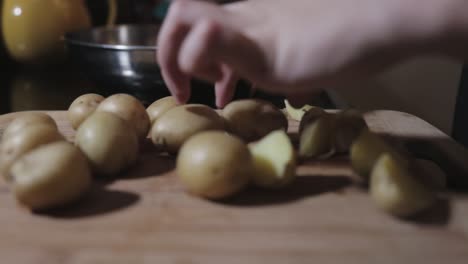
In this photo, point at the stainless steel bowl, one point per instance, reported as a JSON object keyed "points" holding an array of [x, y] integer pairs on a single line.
{"points": [[117, 57]]}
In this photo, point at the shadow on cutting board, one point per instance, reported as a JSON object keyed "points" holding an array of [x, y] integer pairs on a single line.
{"points": [[97, 201], [302, 187], [439, 214]]}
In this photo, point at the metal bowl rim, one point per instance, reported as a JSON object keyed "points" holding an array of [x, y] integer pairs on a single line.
{"points": [[69, 38]]}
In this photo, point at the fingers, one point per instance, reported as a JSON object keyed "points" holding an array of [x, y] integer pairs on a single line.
{"points": [[195, 40], [195, 58], [224, 88], [170, 39], [211, 43]]}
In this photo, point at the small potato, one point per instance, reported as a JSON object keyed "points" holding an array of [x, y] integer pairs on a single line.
{"points": [[109, 143], [82, 107], [159, 107], [429, 173], [252, 119], [129, 109], [20, 123], [29, 138], [296, 113], [175, 126], [274, 160], [395, 190], [365, 151], [315, 138], [51, 175], [348, 125], [214, 164]]}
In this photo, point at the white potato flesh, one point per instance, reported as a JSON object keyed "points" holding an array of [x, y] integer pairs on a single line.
{"points": [[274, 160]]}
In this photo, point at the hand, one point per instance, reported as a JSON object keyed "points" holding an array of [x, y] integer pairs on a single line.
{"points": [[287, 47]]}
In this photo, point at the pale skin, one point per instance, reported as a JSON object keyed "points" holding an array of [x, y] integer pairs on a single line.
{"points": [[295, 47]]}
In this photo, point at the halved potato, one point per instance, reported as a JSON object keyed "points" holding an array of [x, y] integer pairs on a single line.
{"points": [[214, 164], [315, 133], [252, 119], [395, 190], [365, 151], [296, 113], [348, 125], [274, 160], [51, 175], [159, 107]]}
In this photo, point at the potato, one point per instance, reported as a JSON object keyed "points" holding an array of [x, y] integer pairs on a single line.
{"points": [[310, 117], [347, 127], [159, 107], [23, 120], [395, 190], [175, 126], [274, 160], [51, 175], [31, 137], [365, 151], [429, 173], [82, 107], [315, 138], [109, 142], [252, 119], [214, 165], [296, 113], [129, 109]]}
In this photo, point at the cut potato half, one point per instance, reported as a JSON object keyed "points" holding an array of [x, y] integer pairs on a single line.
{"points": [[274, 160], [296, 113], [395, 190]]}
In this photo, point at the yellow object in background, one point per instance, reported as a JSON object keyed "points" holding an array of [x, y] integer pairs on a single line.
{"points": [[33, 29]]}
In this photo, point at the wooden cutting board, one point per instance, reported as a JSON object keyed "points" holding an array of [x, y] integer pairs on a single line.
{"points": [[146, 217]]}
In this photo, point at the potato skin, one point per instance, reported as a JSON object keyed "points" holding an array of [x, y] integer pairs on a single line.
{"points": [[31, 137], [348, 125], [252, 119], [109, 143], [24, 120], [51, 175], [316, 137], [214, 165], [129, 109], [82, 107], [159, 107], [178, 124], [395, 190]]}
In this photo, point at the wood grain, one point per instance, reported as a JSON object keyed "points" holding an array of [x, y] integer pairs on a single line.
{"points": [[145, 216]]}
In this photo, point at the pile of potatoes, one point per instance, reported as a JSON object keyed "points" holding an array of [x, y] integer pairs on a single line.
{"points": [[46, 171], [218, 152], [398, 183]]}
